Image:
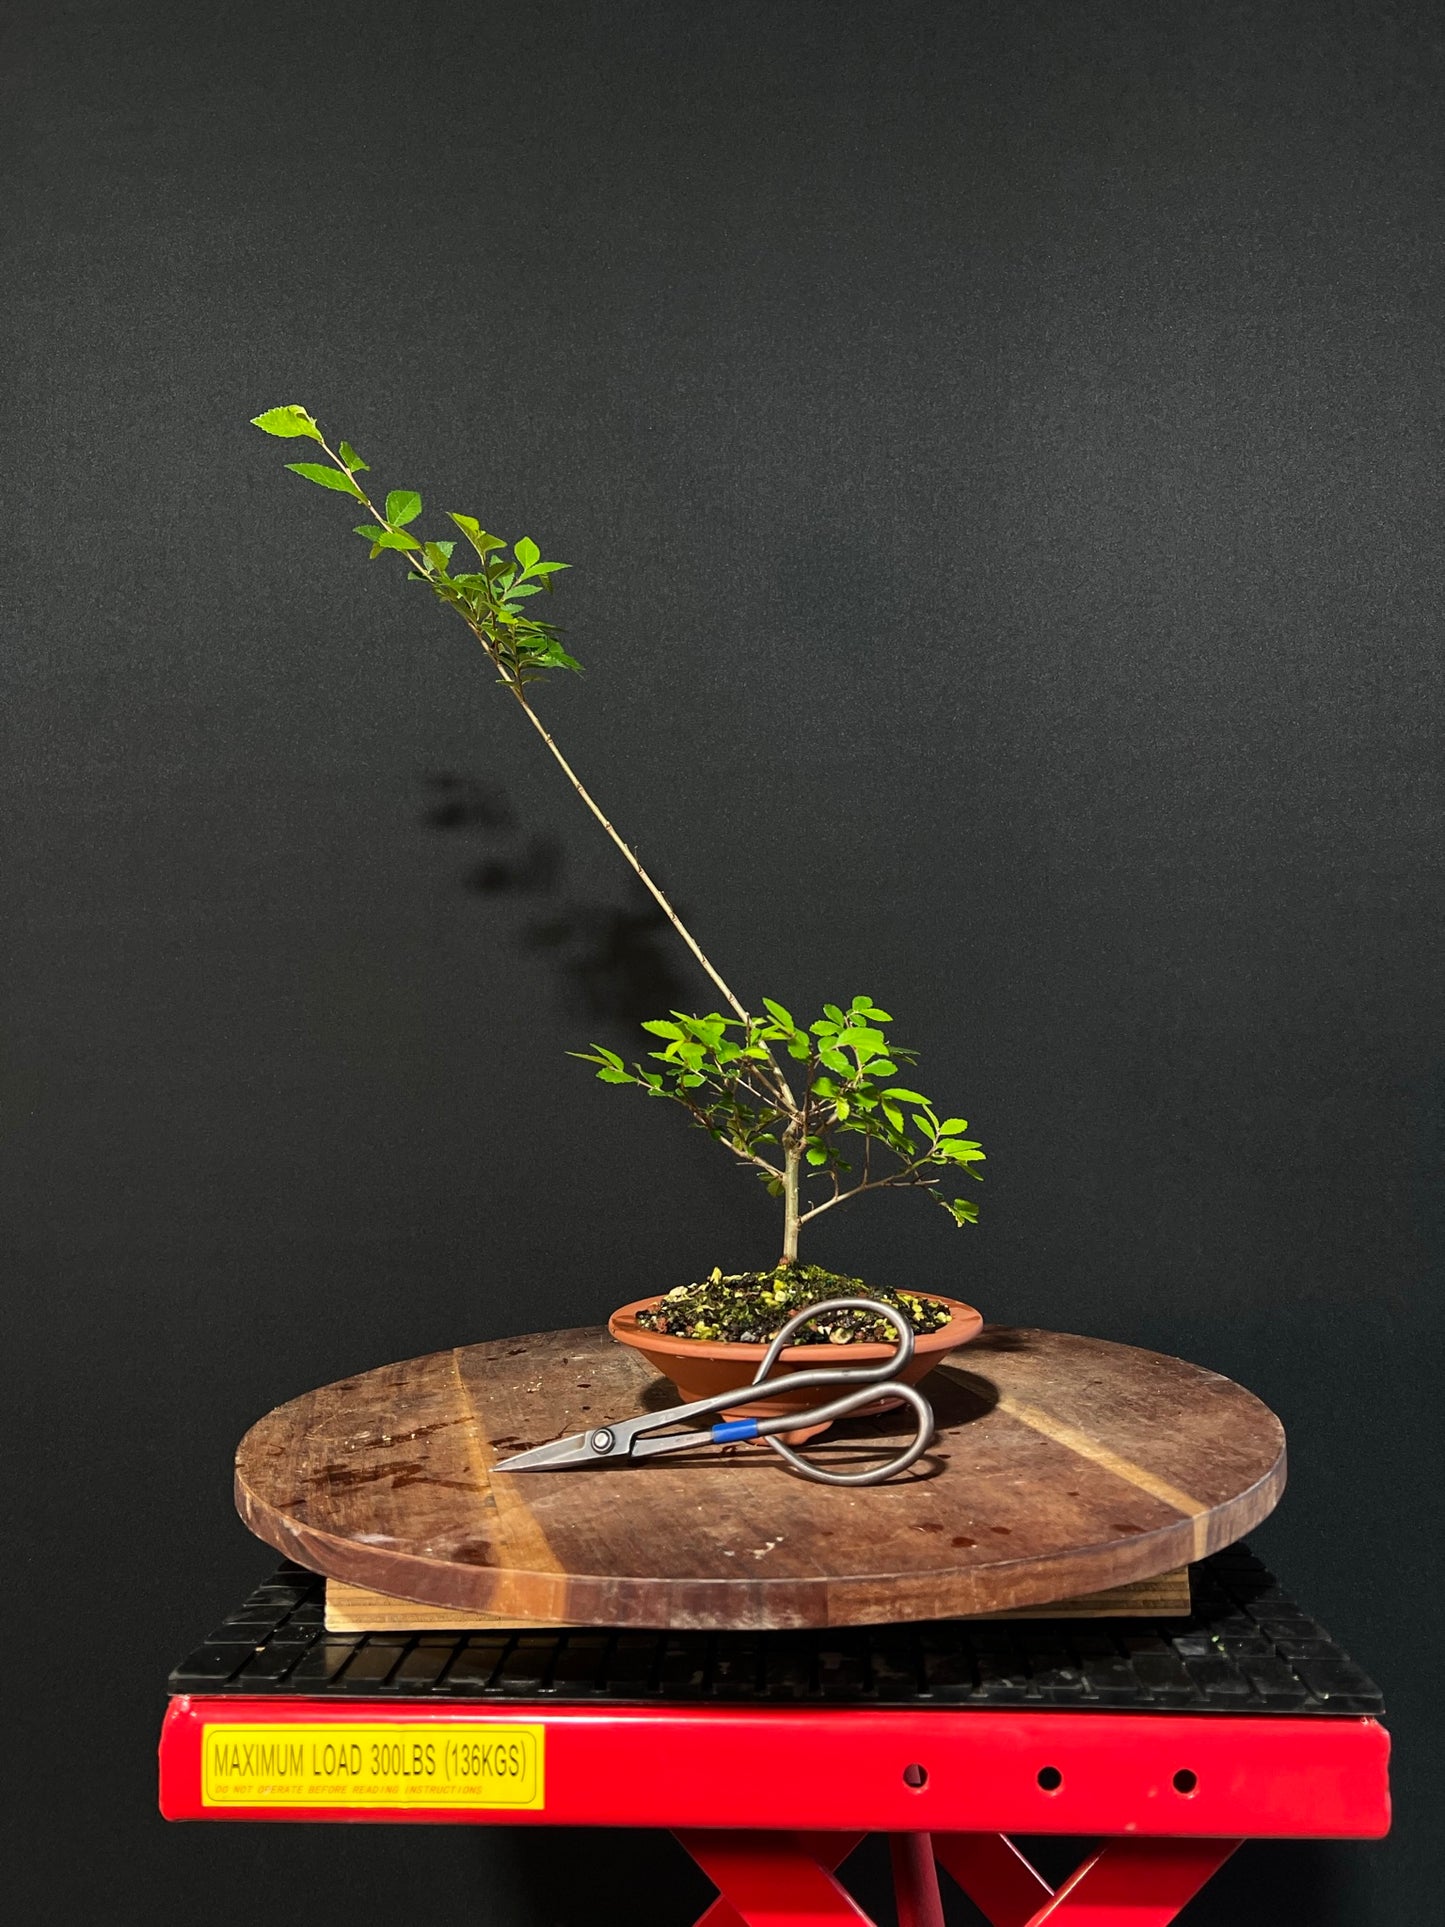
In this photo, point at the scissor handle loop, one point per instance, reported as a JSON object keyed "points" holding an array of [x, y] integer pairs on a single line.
{"points": [[868, 1374], [865, 1379]]}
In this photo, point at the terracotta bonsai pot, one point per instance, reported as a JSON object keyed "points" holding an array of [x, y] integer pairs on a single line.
{"points": [[699, 1367]]}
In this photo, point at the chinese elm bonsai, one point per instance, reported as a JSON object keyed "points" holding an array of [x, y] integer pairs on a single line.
{"points": [[787, 1099]]}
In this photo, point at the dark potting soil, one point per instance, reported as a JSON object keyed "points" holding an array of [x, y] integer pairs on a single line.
{"points": [[750, 1307]]}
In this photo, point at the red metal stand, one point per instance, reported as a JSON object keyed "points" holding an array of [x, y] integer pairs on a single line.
{"points": [[769, 1803], [783, 1880]]}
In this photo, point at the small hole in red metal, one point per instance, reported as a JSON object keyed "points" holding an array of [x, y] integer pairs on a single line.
{"points": [[1050, 1779], [915, 1776], [1185, 1781]]}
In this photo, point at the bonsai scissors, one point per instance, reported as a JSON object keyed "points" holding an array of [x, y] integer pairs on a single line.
{"points": [[632, 1439]]}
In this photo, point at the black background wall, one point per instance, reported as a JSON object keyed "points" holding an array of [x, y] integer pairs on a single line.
{"points": [[1000, 450]]}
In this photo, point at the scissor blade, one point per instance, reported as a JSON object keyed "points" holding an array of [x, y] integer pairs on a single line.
{"points": [[556, 1456]]}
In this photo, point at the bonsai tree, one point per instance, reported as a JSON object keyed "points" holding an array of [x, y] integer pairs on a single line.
{"points": [[812, 1108]]}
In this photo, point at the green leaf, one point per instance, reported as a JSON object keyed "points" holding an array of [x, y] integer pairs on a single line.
{"points": [[472, 529], [832, 1011], [526, 551], [905, 1097], [326, 477], [835, 1060], [951, 1126], [893, 1114], [403, 505], [960, 1210], [842, 1107], [288, 421], [776, 1010], [395, 539], [351, 458], [863, 1043], [660, 1027], [817, 1156], [439, 553]]}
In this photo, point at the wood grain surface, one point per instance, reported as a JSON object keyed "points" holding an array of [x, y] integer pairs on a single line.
{"points": [[1062, 1465], [357, 1609]]}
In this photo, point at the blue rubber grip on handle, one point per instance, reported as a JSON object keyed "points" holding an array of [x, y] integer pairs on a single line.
{"points": [[738, 1428]]}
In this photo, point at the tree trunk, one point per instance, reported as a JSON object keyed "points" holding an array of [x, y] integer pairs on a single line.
{"points": [[792, 1160]]}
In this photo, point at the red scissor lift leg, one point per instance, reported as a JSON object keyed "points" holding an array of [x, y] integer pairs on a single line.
{"points": [[787, 1880]]}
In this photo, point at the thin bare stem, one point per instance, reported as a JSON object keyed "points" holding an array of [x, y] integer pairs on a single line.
{"points": [[659, 895], [420, 564]]}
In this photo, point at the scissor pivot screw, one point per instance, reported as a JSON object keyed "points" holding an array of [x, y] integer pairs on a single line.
{"points": [[601, 1441]]}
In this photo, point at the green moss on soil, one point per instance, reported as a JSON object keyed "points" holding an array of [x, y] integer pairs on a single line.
{"points": [[750, 1307]]}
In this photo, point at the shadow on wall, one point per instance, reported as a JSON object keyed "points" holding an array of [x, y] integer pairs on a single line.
{"points": [[611, 961]]}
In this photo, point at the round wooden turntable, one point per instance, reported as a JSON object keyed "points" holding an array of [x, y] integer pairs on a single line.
{"points": [[1062, 1466]]}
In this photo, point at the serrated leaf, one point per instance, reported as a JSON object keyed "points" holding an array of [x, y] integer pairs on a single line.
{"points": [[905, 1097], [352, 459], [439, 553], [326, 477], [396, 539], [960, 1210], [951, 1126], [832, 1012], [403, 505], [842, 1107], [816, 1157], [893, 1114], [777, 1011], [288, 421], [660, 1027], [526, 551]]}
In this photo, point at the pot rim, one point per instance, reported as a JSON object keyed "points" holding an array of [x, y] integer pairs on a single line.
{"points": [[965, 1322]]}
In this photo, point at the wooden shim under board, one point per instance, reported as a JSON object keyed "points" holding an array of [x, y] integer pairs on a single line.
{"points": [[354, 1609]]}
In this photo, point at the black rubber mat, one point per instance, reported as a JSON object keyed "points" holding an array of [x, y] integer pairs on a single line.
{"points": [[1246, 1648]]}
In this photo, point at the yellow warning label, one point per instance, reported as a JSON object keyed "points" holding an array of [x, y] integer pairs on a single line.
{"points": [[435, 1764]]}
